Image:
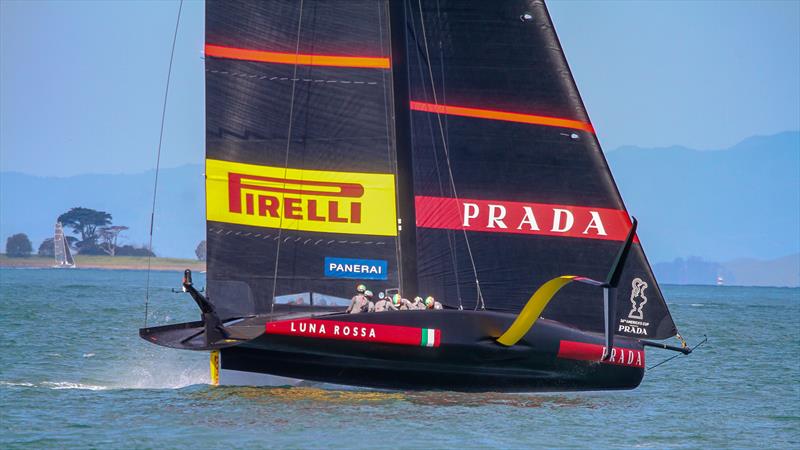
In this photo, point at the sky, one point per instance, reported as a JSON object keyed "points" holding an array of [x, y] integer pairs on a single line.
{"points": [[82, 83]]}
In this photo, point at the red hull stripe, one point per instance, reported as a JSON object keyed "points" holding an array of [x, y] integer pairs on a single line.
{"points": [[243, 54], [502, 115], [540, 219], [583, 351], [355, 331]]}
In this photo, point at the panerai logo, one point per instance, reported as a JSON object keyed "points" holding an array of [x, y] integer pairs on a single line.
{"points": [[366, 269], [634, 324], [299, 199]]}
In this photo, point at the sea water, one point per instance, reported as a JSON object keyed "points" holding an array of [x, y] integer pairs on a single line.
{"points": [[75, 374]]}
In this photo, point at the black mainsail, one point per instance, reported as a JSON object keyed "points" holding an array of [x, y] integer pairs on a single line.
{"points": [[511, 186], [436, 147], [301, 166]]}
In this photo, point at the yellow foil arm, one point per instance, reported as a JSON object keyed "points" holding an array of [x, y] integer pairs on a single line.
{"points": [[533, 309], [214, 366]]}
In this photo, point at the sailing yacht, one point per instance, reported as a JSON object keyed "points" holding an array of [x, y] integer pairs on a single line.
{"points": [[61, 249], [432, 148]]}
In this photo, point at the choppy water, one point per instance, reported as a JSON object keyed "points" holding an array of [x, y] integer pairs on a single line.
{"points": [[73, 373]]}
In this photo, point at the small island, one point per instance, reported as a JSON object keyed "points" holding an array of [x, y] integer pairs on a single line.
{"points": [[107, 262]]}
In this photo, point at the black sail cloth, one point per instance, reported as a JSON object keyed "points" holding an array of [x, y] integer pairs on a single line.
{"points": [[302, 164], [489, 80], [336, 103]]}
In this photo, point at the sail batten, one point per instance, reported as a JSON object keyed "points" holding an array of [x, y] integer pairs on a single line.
{"points": [[367, 62], [505, 116]]}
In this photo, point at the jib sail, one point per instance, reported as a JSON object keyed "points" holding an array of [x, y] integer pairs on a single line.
{"points": [[511, 186], [301, 166]]}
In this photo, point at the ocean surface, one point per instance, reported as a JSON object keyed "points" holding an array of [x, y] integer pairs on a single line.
{"points": [[74, 374]]}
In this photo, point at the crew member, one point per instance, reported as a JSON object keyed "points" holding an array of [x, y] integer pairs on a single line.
{"points": [[417, 303], [431, 303], [398, 302], [370, 305], [359, 302], [384, 304]]}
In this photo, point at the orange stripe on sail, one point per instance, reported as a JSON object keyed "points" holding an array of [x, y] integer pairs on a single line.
{"points": [[502, 115], [243, 54]]}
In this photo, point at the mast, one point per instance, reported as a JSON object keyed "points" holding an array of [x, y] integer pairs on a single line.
{"points": [[407, 233]]}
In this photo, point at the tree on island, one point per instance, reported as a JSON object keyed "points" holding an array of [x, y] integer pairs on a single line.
{"points": [[200, 251], [47, 248], [85, 221], [129, 250], [18, 246], [109, 236]]}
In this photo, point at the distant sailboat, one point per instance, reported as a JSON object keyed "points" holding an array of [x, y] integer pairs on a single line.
{"points": [[61, 248]]}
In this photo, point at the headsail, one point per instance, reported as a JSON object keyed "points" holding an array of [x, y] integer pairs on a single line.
{"points": [[512, 188], [301, 167]]}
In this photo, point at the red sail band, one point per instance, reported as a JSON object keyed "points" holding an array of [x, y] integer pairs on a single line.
{"points": [[243, 54], [502, 116], [499, 216]]}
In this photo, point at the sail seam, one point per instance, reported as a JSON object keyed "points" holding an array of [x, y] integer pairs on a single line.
{"points": [[269, 78]]}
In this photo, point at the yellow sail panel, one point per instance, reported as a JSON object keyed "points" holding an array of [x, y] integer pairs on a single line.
{"points": [[533, 309], [299, 199]]}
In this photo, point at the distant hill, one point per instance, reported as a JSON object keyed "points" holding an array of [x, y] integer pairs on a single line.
{"points": [[742, 202], [30, 205], [783, 271], [721, 205]]}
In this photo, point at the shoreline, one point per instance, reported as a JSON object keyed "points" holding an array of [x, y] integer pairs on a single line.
{"points": [[106, 262]]}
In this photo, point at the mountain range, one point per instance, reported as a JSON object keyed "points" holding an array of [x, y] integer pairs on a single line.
{"points": [[740, 205]]}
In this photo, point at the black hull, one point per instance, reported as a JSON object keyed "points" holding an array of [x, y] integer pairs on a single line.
{"points": [[466, 359]]}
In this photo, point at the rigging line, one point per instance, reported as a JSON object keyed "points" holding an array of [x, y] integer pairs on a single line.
{"points": [[392, 161], [286, 160], [451, 239], [705, 339], [158, 163], [447, 158]]}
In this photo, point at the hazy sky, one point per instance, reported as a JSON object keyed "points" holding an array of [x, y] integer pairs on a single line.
{"points": [[81, 83]]}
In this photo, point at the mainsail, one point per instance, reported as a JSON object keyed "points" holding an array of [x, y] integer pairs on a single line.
{"points": [[511, 185], [301, 166], [459, 162]]}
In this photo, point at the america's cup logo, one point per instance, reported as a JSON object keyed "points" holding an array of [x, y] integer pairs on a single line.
{"points": [[638, 298]]}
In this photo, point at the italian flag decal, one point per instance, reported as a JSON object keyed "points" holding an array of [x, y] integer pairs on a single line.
{"points": [[356, 331], [430, 338]]}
